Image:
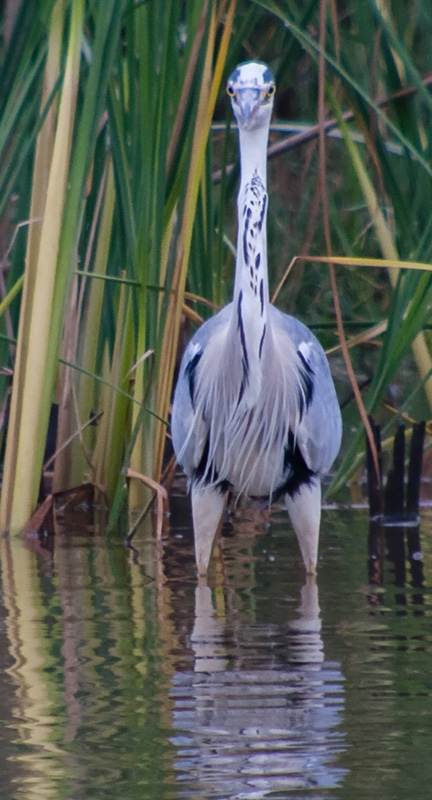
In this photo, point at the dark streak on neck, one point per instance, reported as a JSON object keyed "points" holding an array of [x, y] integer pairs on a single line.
{"points": [[240, 325]]}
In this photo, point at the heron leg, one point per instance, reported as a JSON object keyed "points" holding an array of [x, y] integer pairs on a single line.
{"points": [[304, 510], [207, 510]]}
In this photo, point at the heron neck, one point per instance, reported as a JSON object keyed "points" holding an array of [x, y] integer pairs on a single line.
{"points": [[251, 297], [253, 154]]}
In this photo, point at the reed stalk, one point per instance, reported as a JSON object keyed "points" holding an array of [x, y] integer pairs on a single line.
{"points": [[32, 394]]}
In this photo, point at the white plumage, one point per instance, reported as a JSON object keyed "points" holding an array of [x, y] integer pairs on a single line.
{"points": [[255, 411]]}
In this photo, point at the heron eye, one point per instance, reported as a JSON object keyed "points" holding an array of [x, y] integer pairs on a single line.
{"points": [[270, 91], [230, 91]]}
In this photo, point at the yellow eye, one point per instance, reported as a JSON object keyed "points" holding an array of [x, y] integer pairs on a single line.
{"points": [[230, 91], [271, 91]]}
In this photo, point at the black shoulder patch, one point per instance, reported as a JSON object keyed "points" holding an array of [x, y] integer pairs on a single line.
{"points": [[190, 372]]}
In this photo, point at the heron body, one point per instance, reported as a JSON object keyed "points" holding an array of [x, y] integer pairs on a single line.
{"points": [[255, 410]]}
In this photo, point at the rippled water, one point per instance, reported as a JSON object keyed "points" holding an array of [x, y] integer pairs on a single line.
{"points": [[120, 677]]}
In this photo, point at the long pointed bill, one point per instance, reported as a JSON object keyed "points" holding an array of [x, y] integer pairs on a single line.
{"points": [[248, 100]]}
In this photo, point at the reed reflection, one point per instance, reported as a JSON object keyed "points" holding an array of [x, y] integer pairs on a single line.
{"points": [[397, 548], [261, 709], [31, 695]]}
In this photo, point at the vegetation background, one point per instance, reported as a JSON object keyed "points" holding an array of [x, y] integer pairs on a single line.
{"points": [[117, 217]]}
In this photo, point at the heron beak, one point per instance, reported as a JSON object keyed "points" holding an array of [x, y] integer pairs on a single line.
{"points": [[248, 100]]}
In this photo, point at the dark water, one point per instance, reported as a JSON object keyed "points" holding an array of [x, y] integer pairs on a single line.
{"points": [[121, 678]]}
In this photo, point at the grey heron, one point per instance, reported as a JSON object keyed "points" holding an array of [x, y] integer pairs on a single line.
{"points": [[255, 410]]}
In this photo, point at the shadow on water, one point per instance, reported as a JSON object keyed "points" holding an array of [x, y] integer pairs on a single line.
{"points": [[121, 677]]}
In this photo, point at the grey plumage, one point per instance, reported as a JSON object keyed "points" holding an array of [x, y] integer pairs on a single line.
{"points": [[255, 410]]}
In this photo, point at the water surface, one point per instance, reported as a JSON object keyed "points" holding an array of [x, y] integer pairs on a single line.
{"points": [[121, 676]]}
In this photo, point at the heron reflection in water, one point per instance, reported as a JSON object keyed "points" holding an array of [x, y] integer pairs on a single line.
{"points": [[261, 710]]}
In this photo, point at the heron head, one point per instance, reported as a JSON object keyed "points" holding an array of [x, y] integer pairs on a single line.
{"points": [[251, 88]]}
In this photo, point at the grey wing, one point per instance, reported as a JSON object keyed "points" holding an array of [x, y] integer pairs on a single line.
{"points": [[320, 430], [188, 429]]}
